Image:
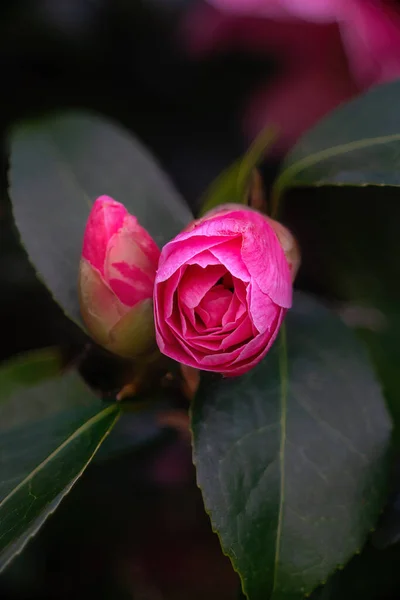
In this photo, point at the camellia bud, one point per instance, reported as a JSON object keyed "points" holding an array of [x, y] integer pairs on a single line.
{"points": [[116, 279]]}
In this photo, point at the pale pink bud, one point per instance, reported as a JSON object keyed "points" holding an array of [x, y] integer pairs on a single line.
{"points": [[116, 279]]}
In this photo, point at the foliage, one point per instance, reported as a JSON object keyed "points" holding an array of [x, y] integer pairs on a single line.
{"points": [[293, 458]]}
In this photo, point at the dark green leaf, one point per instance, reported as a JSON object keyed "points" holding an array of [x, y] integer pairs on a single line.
{"points": [[357, 144], [59, 166], [48, 435], [372, 575], [232, 186], [19, 372], [350, 248], [292, 457]]}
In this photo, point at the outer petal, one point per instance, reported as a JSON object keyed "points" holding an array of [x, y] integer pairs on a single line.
{"points": [[105, 219], [129, 271], [133, 335], [100, 307], [261, 308], [229, 255], [261, 347], [264, 257], [289, 245], [183, 249]]}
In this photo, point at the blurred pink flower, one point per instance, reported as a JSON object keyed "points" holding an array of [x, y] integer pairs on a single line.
{"points": [[330, 50], [371, 35], [312, 10]]}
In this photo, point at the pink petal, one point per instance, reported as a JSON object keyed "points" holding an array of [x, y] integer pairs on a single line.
{"points": [[234, 311], [229, 254], [264, 258], [129, 271], [168, 293], [243, 333], [214, 306], [313, 10], [255, 351], [132, 294], [181, 250], [204, 259], [206, 344], [105, 219], [126, 248], [183, 352], [371, 34], [143, 239], [206, 30], [261, 308], [163, 300], [188, 322], [196, 282], [314, 90], [218, 361]]}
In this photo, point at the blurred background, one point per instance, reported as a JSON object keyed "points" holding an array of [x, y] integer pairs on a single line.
{"points": [[135, 527], [195, 85]]}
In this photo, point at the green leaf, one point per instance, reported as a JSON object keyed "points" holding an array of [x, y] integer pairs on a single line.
{"points": [[19, 372], [292, 457], [232, 186], [48, 435], [59, 165], [357, 144], [350, 248], [372, 575]]}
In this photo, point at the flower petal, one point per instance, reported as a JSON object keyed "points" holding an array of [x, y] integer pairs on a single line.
{"points": [[175, 254], [229, 255], [105, 219], [214, 305], [196, 282]]}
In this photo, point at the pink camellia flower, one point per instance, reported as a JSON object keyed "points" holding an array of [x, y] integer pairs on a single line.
{"points": [[314, 10], [222, 289], [116, 279], [371, 35], [329, 50]]}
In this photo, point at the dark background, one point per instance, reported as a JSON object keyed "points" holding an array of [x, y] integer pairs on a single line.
{"points": [[134, 527]]}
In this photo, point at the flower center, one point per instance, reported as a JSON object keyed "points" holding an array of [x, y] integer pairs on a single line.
{"points": [[214, 306], [216, 302]]}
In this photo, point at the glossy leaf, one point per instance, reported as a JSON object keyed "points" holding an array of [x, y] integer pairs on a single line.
{"points": [[59, 165], [233, 185], [292, 457], [350, 248], [357, 144], [48, 435]]}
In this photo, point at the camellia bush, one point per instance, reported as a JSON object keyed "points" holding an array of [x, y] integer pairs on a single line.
{"points": [[290, 395]]}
